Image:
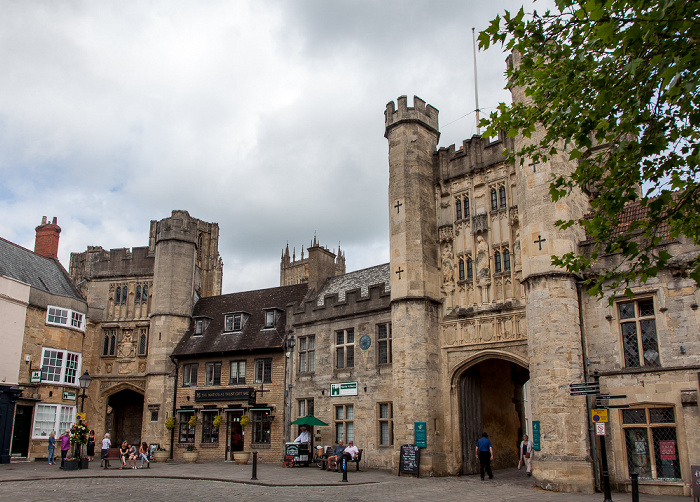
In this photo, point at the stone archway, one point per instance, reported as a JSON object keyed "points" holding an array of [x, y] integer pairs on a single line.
{"points": [[491, 399], [124, 417]]}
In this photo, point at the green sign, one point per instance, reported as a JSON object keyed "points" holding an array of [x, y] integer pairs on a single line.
{"points": [[536, 435], [68, 395], [344, 389], [35, 376], [420, 434]]}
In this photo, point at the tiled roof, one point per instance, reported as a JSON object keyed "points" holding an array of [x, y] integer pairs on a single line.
{"points": [[45, 274], [360, 279], [254, 335], [631, 213]]}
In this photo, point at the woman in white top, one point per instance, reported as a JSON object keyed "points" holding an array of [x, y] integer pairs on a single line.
{"points": [[526, 455], [106, 444]]}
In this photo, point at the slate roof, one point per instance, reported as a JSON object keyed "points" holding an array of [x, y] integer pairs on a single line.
{"points": [[254, 335], [360, 279], [45, 274]]}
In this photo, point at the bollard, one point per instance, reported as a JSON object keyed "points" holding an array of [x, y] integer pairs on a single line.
{"points": [[345, 470], [255, 466], [635, 487]]}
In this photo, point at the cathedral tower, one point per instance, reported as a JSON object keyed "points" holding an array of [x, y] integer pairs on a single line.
{"points": [[415, 280], [553, 324]]}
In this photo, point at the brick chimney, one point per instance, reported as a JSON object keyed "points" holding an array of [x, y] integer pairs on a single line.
{"points": [[47, 234]]}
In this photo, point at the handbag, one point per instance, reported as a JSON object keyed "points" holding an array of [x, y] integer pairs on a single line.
{"points": [[527, 454]]}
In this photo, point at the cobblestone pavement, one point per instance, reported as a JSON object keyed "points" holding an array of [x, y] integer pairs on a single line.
{"points": [[37, 481]]}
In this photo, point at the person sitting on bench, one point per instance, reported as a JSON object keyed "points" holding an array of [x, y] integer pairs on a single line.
{"points": [[337, 454], [351, 452]]}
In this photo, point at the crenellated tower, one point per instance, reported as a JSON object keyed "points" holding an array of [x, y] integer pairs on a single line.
{"points": [[553, 324], [413, 134]]}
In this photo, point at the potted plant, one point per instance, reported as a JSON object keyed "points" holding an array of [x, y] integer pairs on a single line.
{"points": [[190, 454], [242, 457], [161, 455], [78, 437]]}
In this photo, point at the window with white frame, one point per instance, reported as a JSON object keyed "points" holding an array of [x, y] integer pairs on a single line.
{"points": [[384, 343], [52, 417], [58, 316], [344, 428], [307, 353], [189, 374], [60, 366], [198, 326], [270, 318], [638, 327], [237, 372], [212, 374], [263, 370], [386, 424], [345, 348]]}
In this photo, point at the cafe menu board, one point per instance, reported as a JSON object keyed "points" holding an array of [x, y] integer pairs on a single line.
{"points": [[410, 459]]}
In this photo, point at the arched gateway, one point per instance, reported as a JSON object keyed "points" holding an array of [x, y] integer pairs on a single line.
{"points": [[124, 416], [492, 395]]}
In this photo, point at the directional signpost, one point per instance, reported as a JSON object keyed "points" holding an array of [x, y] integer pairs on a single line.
{"points": [[601, 403]]}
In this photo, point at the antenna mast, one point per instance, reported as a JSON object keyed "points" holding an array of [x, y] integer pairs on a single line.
{"points": [[476, 88]]}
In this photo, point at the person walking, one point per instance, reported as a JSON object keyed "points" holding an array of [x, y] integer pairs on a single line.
{"points": [[65, 446], [484, 451], [104, 454], [526, 455], [52, 447]]}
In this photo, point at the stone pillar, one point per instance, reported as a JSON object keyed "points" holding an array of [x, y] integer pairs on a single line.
{"points": [[552, 313], [415, 278]]}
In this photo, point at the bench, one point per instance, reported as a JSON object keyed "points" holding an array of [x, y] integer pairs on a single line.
{"points": [[357, 460], [113, 455]]}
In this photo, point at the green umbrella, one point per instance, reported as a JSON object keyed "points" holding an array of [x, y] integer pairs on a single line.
{"points": [[309, 420]]}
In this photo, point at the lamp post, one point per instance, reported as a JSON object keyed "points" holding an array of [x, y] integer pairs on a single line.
{"points": [[290, 343], [84, 381]]}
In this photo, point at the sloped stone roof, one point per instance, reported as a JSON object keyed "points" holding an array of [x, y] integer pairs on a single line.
{"points": [[254, 335], [360, 279], [45, 274]]}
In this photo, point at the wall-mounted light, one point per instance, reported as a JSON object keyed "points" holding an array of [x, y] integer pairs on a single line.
{"points": [[682, 349]]}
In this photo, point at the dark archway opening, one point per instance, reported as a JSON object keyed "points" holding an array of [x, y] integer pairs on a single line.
{"points": [[492, 400], [124, 417]]}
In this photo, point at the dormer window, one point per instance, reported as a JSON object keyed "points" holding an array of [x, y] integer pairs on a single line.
{"points": [[198, 326], [235, 322]]}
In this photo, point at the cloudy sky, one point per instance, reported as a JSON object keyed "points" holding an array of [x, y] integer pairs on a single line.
{"points": [[265, 116]]}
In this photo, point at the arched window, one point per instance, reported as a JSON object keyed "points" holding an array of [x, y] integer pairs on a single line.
{"points": [[137, 297], [458, 207], [466, 207], [118, 295], [461, 270], [497, 261], [143, 342], [470, 269], [112, 344], [506, 260], [105, 346], [144, 295], [502, 196], [124, 294], [494, 200]]}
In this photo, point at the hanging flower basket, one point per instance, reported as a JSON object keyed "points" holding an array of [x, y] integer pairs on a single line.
{"points": [[170, 423]]}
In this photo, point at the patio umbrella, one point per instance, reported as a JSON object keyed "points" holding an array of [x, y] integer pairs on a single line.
{"points": [[309, 420]]}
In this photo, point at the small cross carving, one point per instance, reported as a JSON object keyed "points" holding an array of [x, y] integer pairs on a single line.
{"points": [[398, 206], [399, 271], [534, 165], [539, 241]]}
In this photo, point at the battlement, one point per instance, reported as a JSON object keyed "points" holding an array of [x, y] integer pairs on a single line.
{"points": [[427, 115], [376, 298], [475, 154], [97, 262]]}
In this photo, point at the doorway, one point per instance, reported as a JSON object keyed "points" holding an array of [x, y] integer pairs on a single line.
{"points": [[234, 433], [124, 417], [22, 431], [492, 400]]}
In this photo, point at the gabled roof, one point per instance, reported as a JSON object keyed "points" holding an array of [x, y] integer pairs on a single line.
{"points": [[45, 274], [254, 335], [360, 279]]}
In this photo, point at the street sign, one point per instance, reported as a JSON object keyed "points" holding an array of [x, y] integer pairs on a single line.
{"points": [[600, 429], [584, 384], [599, 415], [81, 416]]}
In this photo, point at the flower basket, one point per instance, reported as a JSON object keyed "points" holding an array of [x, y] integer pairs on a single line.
{"points": [[71, 465], [170, 423]]}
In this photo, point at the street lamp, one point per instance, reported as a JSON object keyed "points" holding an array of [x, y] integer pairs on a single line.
{"points": [[290, 342], [84, 381]]}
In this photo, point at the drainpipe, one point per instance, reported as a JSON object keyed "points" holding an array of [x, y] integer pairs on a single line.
{"points": [[584, 351], [172, 431]]}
